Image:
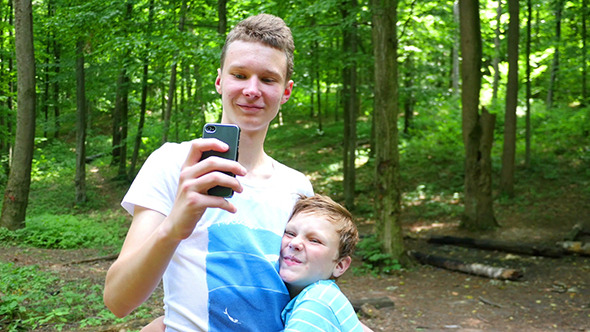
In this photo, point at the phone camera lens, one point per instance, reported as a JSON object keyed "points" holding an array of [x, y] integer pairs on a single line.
{"points": [[210, 129]]}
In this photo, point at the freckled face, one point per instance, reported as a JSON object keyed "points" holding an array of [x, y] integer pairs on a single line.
{"points": [[309, 251], [252, 84]]}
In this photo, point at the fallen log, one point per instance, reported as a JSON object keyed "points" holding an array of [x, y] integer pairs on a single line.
{"points": [[576, 247], [514, 248], [469, 268], [380, 302]]}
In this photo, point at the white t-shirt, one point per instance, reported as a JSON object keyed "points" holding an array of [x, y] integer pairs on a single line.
{"points": [[225, 275]]}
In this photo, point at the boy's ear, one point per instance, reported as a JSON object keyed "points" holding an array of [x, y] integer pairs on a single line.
{"points": [[218, 81], [341, 266], [287, 92]]}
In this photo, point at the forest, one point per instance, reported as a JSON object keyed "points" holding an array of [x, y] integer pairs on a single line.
{"points": [[430, 121]]}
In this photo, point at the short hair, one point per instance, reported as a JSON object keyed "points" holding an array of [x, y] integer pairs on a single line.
{"points": [[334, 213], [267, 29]]}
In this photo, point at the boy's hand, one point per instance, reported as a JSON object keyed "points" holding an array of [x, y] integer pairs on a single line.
{"points": [[196, 178]]}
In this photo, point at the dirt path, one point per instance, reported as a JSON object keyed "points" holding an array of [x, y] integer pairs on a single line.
{"points": [[554, 294]]}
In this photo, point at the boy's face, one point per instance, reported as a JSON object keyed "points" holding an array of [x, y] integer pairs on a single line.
{"points": [[309, 251], [252, 84]]}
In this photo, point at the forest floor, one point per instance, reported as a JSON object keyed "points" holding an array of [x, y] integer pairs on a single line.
{"points": [[552, 295]]}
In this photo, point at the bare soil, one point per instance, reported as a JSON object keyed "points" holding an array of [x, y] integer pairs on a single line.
{"points": [[553, 295]]}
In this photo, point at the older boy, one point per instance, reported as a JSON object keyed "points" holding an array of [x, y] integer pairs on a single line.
{"points": [[316, 249], [216, 257]]}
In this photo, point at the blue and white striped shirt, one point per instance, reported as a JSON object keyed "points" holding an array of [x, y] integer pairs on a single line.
{"points": [[321, 306]]}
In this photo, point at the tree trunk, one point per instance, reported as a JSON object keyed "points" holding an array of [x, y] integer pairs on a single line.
{"points": [[555, 64], [222, 17], [477, 130], [455, 53], [16, 194], [527, 157], [509, 151], [497, 51], [387, 179], [144, 90], [349, 94], [584, 59], [121, 112], [172, 85], [80, 180]]}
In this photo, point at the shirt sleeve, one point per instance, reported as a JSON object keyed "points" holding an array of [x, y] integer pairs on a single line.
{"points": [[312, 315]]}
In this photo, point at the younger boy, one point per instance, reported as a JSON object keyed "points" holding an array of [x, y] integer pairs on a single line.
{"points": [[316, 249]]}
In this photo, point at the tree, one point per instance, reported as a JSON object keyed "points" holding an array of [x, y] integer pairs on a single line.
{"points": [[349, 95], [555, 64], [497, 51], [477, 128], [16, 194], [80, 179], [527, 158], [387, 179], [509, 150], [144, 92]]}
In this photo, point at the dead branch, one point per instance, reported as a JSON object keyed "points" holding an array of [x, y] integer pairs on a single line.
{"points": [[93, 260], [515, 248], [380, 302], [473, 268]]}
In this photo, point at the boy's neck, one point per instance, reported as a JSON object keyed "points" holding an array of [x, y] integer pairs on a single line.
{"points": [[259, 165]]}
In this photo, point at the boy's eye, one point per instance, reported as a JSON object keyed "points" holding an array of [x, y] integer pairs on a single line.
{"points": [[315, 241], [239, 76], [289, 233]]}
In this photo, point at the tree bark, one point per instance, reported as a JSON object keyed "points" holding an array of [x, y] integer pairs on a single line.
{"points": [[509, 150], [527, 157], [511, 247], [80, 180], [144, 91], [350, 98], [497, 51], [16, 194], [172, 84], [555, 63], [387, 178], [469, 268], [477, 130]]}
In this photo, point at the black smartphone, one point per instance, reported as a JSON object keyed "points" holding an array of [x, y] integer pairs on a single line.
{"points": [[230, 134]]}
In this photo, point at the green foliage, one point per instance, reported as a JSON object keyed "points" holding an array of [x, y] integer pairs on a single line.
{"points": [[35, 299], [374, 261], [69, 232]]}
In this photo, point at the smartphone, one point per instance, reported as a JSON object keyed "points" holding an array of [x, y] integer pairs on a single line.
{"points": [[230, 134]]}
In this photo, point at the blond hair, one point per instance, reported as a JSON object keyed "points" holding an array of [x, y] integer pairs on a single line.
{"points": [[267, 29], [334, 213]]}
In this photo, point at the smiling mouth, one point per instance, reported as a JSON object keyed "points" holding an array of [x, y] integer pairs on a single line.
{"points": [[290, 260]]}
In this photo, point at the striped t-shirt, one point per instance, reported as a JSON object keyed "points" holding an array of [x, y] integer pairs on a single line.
{"points": [[321, 306]]}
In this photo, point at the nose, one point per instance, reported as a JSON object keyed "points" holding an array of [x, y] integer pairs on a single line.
{"points": [[252, 89], [296, 244]]}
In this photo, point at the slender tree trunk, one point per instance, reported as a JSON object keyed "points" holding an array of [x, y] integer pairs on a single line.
{"points": [[409, 98], [121, 111], [222, 17], [387, 179], [477, 130], [57, 57], [555, 64], [584, 59], [509, 150], [527, 158], [455, 54], [80, 180], [497, 51], [172, 85], [16, 194], [349, 94], [144, 91]]}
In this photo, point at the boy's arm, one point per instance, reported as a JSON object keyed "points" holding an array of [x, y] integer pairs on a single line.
{"points": [[153, 238]]}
